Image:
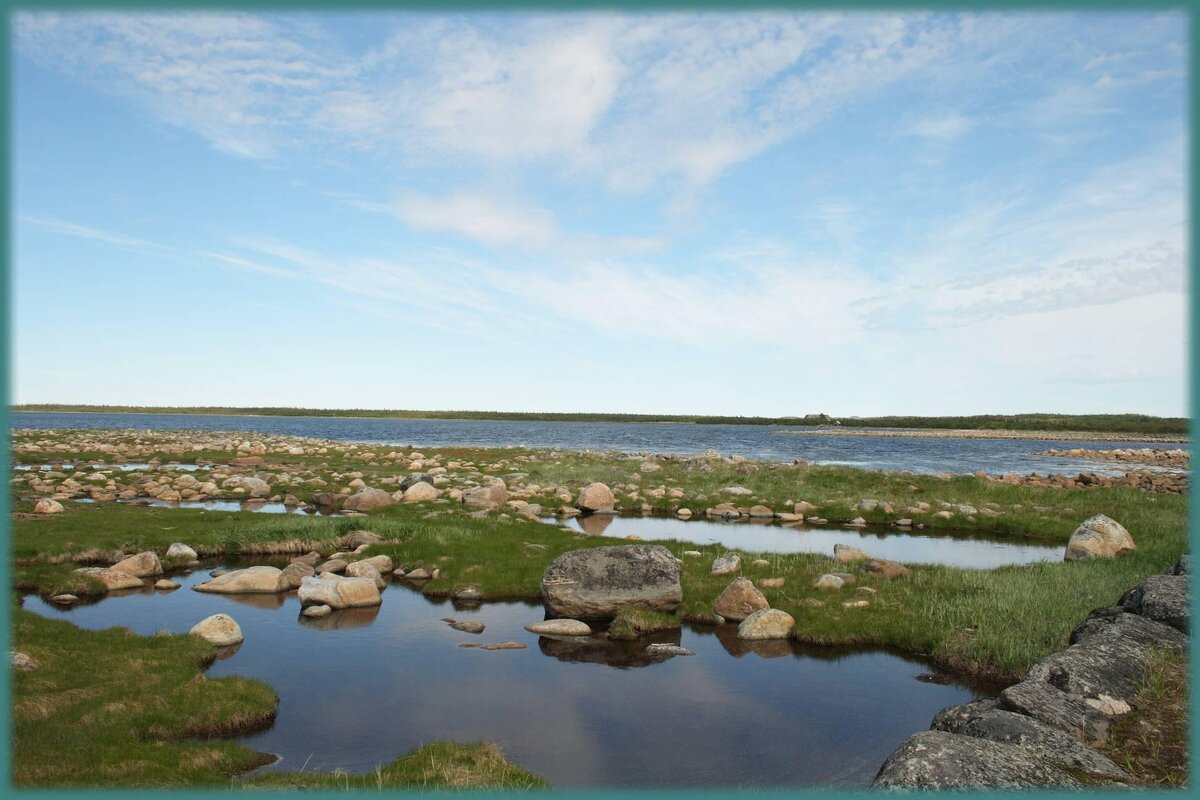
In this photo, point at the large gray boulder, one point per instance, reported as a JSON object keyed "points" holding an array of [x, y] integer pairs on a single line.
{"points": [[1107, 663], [1056, 708], [595, 582], [414, 478], [939, 760], [1144, 631], [1098, 537], [1163, 598], [1054, 746]]}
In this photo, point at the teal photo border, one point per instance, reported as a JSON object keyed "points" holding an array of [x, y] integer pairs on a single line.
{"points": [[10, 8]]}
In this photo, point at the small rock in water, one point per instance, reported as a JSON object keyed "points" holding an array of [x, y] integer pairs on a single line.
{"points": [[469, 594], [317, 611], [165, 585], [467, 626], [498, 646], [667, 650], [220, 629], [560, 627], [65, 598]]}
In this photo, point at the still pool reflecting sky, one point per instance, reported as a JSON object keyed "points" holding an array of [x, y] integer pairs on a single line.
{"points": [[915, 547], [360, 688]]}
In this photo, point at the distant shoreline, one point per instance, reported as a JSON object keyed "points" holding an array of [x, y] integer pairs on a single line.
{"points": [[975, 433], [1097, 427]]}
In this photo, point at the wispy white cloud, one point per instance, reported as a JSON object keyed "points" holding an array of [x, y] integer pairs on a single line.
{"points": [[505, 221], [55, 225]]}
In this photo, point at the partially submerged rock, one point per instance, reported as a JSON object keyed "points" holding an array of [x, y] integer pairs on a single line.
{"points": [[295, 572], [1098, 537], [252, 580], [141, 565], [220, 629], [338, 592], [595, 497], [560, 627], [767, 623], [181, 552], [112, 580], [597, 581]]}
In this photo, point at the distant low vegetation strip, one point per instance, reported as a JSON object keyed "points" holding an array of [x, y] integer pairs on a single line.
{"points": [[1114, 423]]}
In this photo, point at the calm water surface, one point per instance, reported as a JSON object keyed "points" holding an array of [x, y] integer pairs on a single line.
{"points": [[361, 687], [766, 442], [917, 547]]}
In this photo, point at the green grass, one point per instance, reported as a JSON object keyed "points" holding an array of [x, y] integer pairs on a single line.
{"points": [[108, 708], [633, 622], [111, 709], [1151, 741], [962, 618], [441, 765]]}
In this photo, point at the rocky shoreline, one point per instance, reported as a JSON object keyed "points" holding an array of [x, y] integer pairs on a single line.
{"points": [[1043, 731], [975, 433], [1176, 459], [1149, 481]]}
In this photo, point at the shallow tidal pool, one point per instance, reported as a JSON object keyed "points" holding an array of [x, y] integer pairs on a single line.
{"points": [[363, 686]]}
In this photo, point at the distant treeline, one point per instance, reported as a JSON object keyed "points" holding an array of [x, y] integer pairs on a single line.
{"points": [[1108, 423]]}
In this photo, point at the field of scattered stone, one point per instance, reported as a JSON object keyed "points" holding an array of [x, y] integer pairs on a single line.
{"points": [[471, 524]]}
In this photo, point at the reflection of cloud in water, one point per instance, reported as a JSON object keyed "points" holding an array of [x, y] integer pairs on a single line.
{"points": [[918, 547], [362, 695]]}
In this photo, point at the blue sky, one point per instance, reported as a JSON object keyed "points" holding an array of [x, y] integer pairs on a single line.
{"points": [[759, 213]]}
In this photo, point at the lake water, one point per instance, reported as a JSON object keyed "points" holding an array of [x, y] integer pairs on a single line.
{"points": [[363, 686], [767, 442], [916, 547]]}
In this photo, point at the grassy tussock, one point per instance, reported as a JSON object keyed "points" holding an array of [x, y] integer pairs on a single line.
{"points": [[633, 622], [107, 708], [442, 765]]}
